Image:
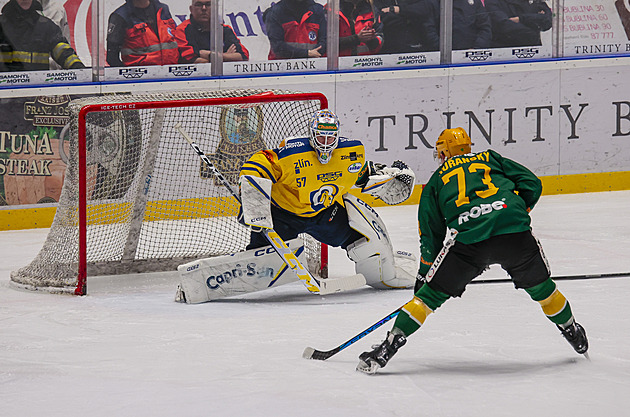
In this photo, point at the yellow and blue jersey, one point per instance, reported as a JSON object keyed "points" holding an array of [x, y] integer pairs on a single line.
{"points": [[301, 184]]}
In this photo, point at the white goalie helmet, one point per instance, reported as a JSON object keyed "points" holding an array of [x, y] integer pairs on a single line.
{"points": [[324, 130]]}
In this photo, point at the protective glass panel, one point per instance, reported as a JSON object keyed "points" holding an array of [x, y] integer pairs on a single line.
{"points": [[286, 36], [501, 30], [42, 51], [397, 37], [596, 28]]}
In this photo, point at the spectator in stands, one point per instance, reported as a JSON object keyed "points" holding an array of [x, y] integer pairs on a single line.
{"points": [[30, 39], [6, 50], [193, 37], [471, 25], [55, 11], [403, 25], [518, 22], [358, 35], [141, 32], [296, 29]]}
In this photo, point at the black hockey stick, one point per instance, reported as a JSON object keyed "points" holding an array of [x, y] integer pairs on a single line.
{"points": [[314, 285], [559, 278], [310, 353]]}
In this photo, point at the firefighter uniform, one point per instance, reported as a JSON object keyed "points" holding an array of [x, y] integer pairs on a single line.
{"points": [[138, 36], [29, 39]]}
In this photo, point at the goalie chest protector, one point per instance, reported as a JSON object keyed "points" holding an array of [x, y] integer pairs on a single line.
{"points": [[303, 185]]}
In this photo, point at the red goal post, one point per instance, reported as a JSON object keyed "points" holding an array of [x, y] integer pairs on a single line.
{"points": [[136, 200]]}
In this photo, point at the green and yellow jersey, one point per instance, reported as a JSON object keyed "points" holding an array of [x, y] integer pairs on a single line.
{"points": [[301, 184], [479, 195]]}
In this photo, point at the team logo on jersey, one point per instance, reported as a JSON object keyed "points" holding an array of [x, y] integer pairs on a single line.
{"points": [[324, 197], [241, 136], [354, 168], [312, 36], [480, 210], [329, 176]]}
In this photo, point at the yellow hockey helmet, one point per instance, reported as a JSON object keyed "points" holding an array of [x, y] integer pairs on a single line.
{"points": [[451, 142]]}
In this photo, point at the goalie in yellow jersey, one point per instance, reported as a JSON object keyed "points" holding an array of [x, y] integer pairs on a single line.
{"points": [[302, 187]]}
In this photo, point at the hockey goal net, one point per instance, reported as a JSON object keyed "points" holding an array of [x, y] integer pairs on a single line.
{"points": [[136, 198]]}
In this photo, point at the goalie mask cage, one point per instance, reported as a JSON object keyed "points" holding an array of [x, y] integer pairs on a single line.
{"points": [[136, 198]]}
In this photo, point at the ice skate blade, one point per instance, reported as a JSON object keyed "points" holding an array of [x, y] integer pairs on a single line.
{"points": [[586, 355], [180, 297], [368, 368]]}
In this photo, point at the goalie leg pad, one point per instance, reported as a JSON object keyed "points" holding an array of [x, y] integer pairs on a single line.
{"points": [[373, 254], [240, 273]]}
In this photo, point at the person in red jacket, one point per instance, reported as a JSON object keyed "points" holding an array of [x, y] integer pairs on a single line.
{"points": [[141, 32], [296, 29], [193, 37], [358, 34]]}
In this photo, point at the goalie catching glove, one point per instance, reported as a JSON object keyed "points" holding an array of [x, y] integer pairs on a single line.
{"points": [[392, 184], [255, 209]]}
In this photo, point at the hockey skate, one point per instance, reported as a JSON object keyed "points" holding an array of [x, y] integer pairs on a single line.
{"points": [[370, 362], [576, 336], [180, 297]]}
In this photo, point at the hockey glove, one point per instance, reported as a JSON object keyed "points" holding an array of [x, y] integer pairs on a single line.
{"points": [[392, 185]]}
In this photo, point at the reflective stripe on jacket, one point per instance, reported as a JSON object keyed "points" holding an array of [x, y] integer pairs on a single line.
{"points": [[143, 47], [29, 39]]}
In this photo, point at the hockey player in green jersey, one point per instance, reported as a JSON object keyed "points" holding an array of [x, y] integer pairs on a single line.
{"points": [[482, 201]]}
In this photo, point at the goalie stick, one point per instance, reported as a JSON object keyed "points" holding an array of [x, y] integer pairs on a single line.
{"points": [[322, 287], [310, 353]]}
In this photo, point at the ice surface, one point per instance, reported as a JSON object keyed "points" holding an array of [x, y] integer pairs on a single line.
{"points": [[127, 349]]}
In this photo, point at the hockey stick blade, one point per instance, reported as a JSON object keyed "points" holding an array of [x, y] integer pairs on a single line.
{"points": [[310, 353], [333, 285]]}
